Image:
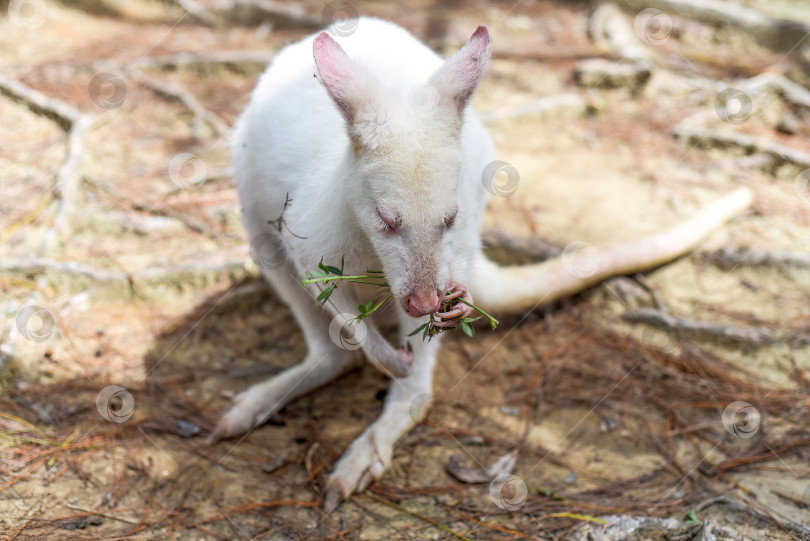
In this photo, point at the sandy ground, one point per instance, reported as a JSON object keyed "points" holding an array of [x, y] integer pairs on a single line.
{"points": [[609, 420]]}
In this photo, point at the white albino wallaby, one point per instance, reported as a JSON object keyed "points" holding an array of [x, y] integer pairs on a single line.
{"points": [[365, 147]]}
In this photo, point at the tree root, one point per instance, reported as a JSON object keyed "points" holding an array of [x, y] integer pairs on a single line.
{"points": [[172, 91], [513, 250], [658, 318], [692, 134], [223, 263], [254, 59], [729, 258], [547, 104], [776, 34], [77, 125]]}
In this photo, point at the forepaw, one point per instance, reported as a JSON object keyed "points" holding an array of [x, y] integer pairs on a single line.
{"points": [[363, 462], [398, 363], [453, 307]]}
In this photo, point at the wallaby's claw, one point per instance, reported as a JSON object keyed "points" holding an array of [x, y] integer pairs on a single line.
{"points": [[334, 495], [214, 436], [225, 428], [360, 465], [456, 310]]}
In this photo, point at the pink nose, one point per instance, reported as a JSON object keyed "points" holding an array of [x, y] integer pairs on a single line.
{"points": [[422, 303]]}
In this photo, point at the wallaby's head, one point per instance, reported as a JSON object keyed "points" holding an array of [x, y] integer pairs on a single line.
{"points": [[407, 161]]}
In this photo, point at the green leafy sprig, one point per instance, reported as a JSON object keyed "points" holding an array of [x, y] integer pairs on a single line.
{"points": [[429, 329], [331, 276]]}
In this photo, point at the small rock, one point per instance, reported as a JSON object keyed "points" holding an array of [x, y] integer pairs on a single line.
{"points": [[509, 410], [449, 501], [571, 478], [186, 429], [607, 425]]}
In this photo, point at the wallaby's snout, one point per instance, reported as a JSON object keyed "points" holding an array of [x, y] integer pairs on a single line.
{"points": [[423, 302]]}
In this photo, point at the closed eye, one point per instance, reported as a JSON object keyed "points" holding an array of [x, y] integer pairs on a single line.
{"points": [[385, 224]]}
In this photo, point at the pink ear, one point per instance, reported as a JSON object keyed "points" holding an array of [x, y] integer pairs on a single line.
{"points": [[338, 73], [460, 75]]}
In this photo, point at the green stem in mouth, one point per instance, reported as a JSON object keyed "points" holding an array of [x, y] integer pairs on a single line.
{"points": [[328, 274]]}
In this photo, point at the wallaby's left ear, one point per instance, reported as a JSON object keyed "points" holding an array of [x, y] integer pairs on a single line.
{"points": [[459, 76], [350, 85]]}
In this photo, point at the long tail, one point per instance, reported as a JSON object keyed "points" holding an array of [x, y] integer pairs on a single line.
{"points": [[509, 289]]}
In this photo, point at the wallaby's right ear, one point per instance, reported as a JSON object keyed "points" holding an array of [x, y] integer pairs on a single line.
{"points": [[349, 84], [459, 76]]}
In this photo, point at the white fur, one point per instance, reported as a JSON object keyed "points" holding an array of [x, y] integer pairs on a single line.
{"points": [[292, 141], [344, 138]]}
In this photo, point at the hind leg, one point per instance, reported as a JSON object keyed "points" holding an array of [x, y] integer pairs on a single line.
{"points": [[325, 361], [368, 456]]}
